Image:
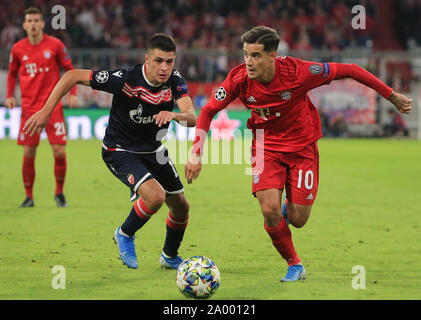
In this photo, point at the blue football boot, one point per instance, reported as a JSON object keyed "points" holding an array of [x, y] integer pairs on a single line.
{"points": [[169, 263], [295, 272], [126, 249]]}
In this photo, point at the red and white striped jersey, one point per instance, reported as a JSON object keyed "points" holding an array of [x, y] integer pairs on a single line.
{"points": [[131, 125]]}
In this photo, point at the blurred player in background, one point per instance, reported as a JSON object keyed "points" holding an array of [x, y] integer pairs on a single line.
{"points": [[143, 99], [37, 59], [275, 90]]}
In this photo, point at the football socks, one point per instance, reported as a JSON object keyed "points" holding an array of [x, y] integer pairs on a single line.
{"points": [[282, 240], [60, 166], [138, 216], [174, 236], [28, 175]]}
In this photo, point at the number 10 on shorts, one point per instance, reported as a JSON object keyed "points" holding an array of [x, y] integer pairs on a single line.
{"points": [[308, 179]]}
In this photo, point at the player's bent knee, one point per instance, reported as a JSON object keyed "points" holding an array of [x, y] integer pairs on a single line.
{"points": [[152, 194], [297, 223], [157, 198], [298, 215], [272, 215]]}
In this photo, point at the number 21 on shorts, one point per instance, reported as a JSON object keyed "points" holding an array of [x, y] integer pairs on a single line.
{"points": [[308, 179], [60, 128]]}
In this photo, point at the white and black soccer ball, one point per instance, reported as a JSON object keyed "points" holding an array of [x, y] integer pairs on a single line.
{"points": [[198, 277], [220, 94], [102, 76]]}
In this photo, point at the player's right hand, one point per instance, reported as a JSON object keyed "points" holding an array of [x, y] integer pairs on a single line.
{"points": [[10, 102], [402, 103], [192, 168], [35, 123]]}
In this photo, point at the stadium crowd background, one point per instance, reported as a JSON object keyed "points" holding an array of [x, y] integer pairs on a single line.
{"points": [[218, 25], [209, 26], [204, 24]]}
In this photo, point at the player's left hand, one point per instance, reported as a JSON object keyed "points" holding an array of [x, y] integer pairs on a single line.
{"points": [[163, 117], [72, 101], [402, 103]]}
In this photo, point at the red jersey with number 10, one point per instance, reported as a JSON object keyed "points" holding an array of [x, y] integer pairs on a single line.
{"points": [[39, 70]]}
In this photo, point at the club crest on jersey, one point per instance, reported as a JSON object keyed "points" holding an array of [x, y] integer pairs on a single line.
{"points": [[130, 178], [47, 54], [315, 69], [256, 178], [286, 95], [220, 94], [102, 77], [166, 94]]}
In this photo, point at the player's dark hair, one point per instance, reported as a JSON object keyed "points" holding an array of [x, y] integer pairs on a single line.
{"points": [[32, 10], [262, 35], [162, 42]]}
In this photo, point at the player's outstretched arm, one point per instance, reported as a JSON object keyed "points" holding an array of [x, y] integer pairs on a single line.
{"points": [[344, 70], [39, 120]]}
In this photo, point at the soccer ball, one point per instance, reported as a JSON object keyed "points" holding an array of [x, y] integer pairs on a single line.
{"points": [[198, 277]]}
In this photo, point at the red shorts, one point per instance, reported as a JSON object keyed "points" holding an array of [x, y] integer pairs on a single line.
{"points": [[298, 172], [55, 129]]}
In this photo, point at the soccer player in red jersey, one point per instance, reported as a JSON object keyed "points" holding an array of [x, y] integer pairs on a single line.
{"points": [[285, 155], [37, 59]]}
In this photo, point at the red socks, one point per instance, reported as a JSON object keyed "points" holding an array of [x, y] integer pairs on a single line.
{"points": [[60, 166], [28, 175], [282, 241], [142, 211], [175, 224]]}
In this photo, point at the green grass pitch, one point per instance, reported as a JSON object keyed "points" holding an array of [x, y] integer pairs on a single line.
{"points": [[367, 213]]}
